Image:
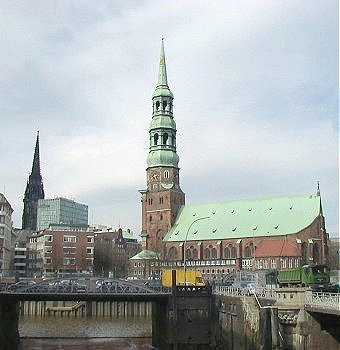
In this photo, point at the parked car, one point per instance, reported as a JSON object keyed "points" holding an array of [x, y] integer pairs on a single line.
{"points": [[105, 285], [21, 285], [334, 287]]}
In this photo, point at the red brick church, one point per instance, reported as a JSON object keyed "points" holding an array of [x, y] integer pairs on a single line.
{"points": [[217, 238]]}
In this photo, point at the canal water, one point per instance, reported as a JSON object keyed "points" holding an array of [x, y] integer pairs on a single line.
{"points": [[91, 333]]}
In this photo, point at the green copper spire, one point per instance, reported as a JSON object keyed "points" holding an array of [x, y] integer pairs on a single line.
{"points": [[162, 88], [162, 78], [162, 151]]}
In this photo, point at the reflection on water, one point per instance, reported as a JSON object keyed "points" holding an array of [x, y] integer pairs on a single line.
{"points": [[86, 344], [97, 333]]}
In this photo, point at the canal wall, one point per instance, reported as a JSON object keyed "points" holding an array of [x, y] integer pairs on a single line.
{"points": [[9, 334], [185, 320], [244, 324], [83, 309]]}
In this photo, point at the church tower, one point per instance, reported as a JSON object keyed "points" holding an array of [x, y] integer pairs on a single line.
{"points": [[34, 191], [163, 196]]}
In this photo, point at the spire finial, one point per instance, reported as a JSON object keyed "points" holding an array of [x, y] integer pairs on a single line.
{"points": [[162, 77], [318, 189]]}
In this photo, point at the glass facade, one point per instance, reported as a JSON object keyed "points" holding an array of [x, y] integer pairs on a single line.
{"points": [[61, 211]]}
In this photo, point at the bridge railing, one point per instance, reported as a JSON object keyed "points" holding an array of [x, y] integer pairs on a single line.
{"points": [[323, 300], [235, 291]]}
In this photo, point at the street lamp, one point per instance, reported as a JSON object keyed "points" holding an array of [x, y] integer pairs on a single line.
{"points": [[184, 246]]}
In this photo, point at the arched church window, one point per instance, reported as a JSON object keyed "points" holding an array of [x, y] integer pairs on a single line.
{"points": [[227, 253], [316, 253], [233, 251], [155, 139], [161, 217], [304, 253], [195, 254], [249, 250], [165, 138], [150, 218], [164, 105], [207, 253], [172, 253], [214, 253], [157, 105], [166, 174], [188, 254]]}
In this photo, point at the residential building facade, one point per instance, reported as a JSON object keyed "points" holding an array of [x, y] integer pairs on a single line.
{"points": [[60, 250], [5, 236]]}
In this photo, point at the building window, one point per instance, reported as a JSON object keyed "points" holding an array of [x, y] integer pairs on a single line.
{"points": [[90, 239], [89, 250], [155, 139], [249, 251], [2, 230], [89, 261], [71, 239], [69, 261], [48, 238], [48, 260], [273, 263], [69, 250], [172, 253], [166, 174], [316, 253], [2, 219], [48, 249]]}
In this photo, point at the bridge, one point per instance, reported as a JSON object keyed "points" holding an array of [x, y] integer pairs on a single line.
{"points": [[119, 290], [84, 290]]}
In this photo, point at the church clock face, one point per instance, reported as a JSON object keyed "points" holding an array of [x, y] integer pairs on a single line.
{"points": [[154, 176]]}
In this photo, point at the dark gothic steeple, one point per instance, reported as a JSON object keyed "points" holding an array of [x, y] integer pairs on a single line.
{"points": [[34, 191]]}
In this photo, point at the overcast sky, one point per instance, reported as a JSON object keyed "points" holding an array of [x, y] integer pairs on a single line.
{"points": [[256, 99]]}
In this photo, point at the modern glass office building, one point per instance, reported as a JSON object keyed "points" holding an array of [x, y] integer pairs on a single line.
{"points": [[60, 211]]}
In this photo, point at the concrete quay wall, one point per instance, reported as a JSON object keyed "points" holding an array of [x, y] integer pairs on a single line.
{"points": [[82, 309]]}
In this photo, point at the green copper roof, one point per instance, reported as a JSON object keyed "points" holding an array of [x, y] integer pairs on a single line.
{"points": [[128, 234], [245, 218], [162, 88], [163, 157], [146, 255], [162, 121]]}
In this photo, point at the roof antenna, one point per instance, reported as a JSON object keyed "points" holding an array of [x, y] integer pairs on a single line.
{"points": [[318, 190]]}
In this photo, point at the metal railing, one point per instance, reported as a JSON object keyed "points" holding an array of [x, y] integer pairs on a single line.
{"points": [[326, 301], [320, 300], [83, 286], [234, 291]]}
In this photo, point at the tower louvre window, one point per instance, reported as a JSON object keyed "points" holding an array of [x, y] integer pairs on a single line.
{"points": [[164, 105], [157, 105], [155, 139], [165, 138]]}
